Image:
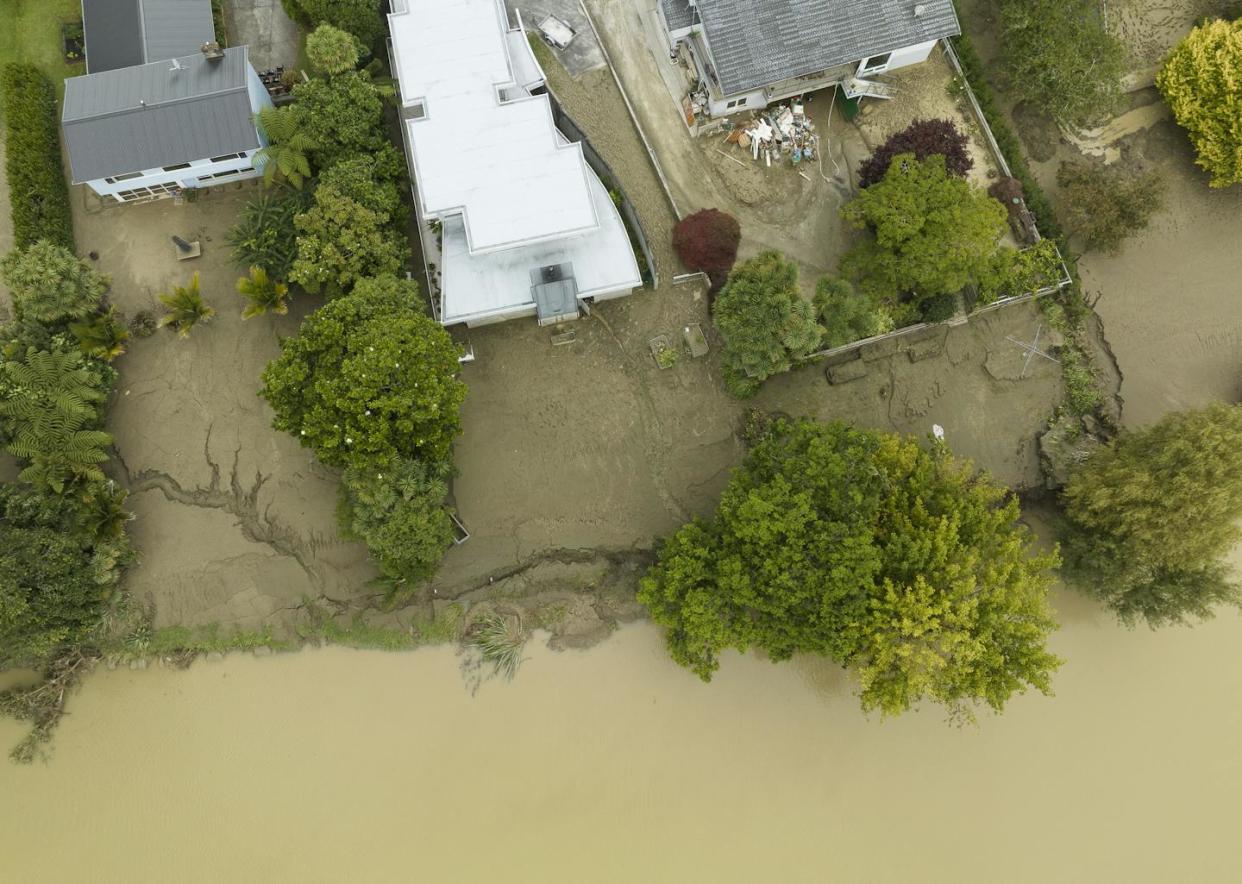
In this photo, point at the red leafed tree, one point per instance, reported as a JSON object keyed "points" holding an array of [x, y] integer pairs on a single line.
{"points": [[923, 138], [707, 241]]}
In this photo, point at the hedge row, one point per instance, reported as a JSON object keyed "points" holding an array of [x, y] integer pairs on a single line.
{"points": [[37, 190], [1036, 199]]}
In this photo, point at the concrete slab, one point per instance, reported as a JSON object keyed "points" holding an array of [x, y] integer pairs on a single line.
{"points": [[584, 53], [263, 26]]}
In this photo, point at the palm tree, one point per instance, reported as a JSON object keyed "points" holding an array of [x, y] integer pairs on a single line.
{"points": [[185, 308], [286, 153], [103, 335], [264, 293]]}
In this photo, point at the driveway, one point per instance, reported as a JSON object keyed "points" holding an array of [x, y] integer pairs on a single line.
{"points": [[263, 26]]}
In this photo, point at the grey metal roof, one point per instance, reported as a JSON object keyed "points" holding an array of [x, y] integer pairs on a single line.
{"points": [[173, 28], [678, 13], [113, 31], [148, 116], [755, 43], [121, 33]]}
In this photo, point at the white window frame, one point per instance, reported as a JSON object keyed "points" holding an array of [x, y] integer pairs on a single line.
{"points": [[866, 67]]}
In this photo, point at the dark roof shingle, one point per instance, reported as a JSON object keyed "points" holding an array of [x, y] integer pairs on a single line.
{"points": [[755, 43]]}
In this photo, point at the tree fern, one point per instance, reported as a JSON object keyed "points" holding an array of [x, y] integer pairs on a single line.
{"points": [[285, 156], [59, 452], [45, 390]]}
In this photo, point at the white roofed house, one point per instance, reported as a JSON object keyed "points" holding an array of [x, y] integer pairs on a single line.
{"points": [[161, 107], [747, 54], [527, 227]]}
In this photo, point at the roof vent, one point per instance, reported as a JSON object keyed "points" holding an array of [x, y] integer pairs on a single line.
{"points": [[212, 51], [919, 9]]}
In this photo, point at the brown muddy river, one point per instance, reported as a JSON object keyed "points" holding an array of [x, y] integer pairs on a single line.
{"points": [[614, 765]]}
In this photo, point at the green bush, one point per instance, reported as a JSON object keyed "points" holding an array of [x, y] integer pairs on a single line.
{"points": [[59, 564], [398, 512], [38, 193], [1199, 81], [868, 549], [1106, 205], [51, 285], [362, 18]]}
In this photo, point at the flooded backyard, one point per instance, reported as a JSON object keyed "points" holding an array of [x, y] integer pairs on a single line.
{"points": [[614, 765]]}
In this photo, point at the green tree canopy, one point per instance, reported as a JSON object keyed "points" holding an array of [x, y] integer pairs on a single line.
{"points": [[56, 570], [331, 50], [362, 18], [368, 380], [341, 241], [1060, 57], [50, 285], [1202, 82], [847, 314], [934, 234], [343, 116], [398, 511], [1151, 517], [865, 548], [367, 180], [764, 320]]}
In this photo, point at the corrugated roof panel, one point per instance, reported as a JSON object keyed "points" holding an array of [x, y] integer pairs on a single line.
{"points": [[149, 116], [172, 28], [113, 31], [755, 44]]}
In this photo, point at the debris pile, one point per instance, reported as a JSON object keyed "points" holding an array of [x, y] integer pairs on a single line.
{"points": [[776, 133]]}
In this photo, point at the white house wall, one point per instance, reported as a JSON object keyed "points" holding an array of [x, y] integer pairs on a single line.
{"points": [[910, 55], [201, 173]]}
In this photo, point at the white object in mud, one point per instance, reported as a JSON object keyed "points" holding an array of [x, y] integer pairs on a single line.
{"points": [[556, 32]]}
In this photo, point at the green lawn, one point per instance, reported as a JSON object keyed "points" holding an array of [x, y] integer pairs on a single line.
{"points": [[30, 31]]}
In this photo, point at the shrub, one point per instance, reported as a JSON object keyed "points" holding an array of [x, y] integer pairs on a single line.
{"points": [[863, 547], [38, 193], [57, 570], [1105, 205], [1060, 57], [342, 117], [764, 320], [846, 314], [1022, 272], [934, 234], [1199, 80], [341, 241], [330, 50], [50, 285], [923, 138], [708, 241], [265, 235], [369, 380], [362, 18], [398, 511], [369, 181], [262, 293], [1151, 517]]}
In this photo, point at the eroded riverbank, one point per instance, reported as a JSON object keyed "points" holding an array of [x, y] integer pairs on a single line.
{"points": [[614, 765]]}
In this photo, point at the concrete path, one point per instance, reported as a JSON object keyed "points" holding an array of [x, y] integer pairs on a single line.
{"points": [[584, 53], [263, 26]]}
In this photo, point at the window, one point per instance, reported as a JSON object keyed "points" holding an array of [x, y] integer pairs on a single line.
{"points": [[227, 156], [740, 102], [877, 62], [126, 177], [176, 167]]}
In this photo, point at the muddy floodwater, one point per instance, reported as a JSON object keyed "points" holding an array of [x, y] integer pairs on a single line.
{"points": [[613, 765]]}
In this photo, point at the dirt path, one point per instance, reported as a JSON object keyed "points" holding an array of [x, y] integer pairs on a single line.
{"points": [[6, 226]]}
